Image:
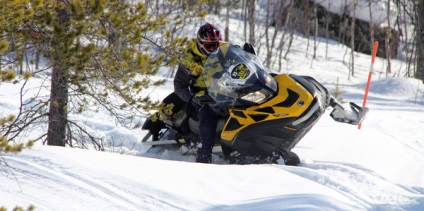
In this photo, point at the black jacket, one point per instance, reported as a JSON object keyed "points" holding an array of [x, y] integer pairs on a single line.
{"points": [[184, 80]]}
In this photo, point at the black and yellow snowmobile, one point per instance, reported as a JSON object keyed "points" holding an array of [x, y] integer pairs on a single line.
{"points": [[264, 116]]}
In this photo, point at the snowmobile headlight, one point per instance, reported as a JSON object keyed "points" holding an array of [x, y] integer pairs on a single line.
{"points": [[257, 96]]}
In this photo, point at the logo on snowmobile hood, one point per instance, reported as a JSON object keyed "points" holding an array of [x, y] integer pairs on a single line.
{"points": [[240, 71]]}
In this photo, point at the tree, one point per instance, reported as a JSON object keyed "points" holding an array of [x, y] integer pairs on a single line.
{"points": [[387, 40], [315, 32], [404, 18], [352, 39], [276, 10], [251, 20], [306, 21], [95, 48], [56, 134], [229, 5], [419, 39], [371, 24], [270, 45]]}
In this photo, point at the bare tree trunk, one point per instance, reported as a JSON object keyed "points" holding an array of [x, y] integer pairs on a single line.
{"points": [[412, 56], [290, 43], [387, 40], [216, 6], [251, 20], [291, 28], [306, 23], [28, 68], [227, 22], [352, 38], [286, 28], [37, 60], [157, 7], [371, 28], [56, 134], [343, 25], [268, 45], [278, 23], [20, 58], [405, 32], [245, 3], [315, 32], [419, 38], [327, 25], [21, 65]]}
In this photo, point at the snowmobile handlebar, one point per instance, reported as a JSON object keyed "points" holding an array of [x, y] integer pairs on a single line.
{"points": [[354, 114]]}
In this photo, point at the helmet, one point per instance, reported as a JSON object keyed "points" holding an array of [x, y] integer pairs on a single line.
{"points": [[208, 38]]}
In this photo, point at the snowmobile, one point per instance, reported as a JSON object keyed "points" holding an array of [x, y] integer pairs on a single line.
{"points": [[262, 116]]}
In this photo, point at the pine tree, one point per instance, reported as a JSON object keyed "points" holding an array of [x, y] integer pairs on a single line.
{"points": [[96, 49]]}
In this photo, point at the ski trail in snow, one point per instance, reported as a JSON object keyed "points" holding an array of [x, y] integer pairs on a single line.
{"points": [[385, 124], [359, 184], [49, 174]]}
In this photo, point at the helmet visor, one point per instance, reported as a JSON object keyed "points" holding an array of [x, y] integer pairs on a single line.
{"points": [[210, 46]]}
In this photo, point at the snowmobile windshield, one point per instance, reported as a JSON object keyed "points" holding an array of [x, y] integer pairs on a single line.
{"points": [[236, 77]]}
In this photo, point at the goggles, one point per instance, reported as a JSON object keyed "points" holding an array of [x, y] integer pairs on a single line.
{"points": [[209, 46]]}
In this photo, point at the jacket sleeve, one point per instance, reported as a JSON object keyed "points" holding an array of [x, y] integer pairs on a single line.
{"points": [[182, 84]]}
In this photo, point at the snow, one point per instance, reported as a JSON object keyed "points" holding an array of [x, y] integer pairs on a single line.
{"points": [[379, 167]]}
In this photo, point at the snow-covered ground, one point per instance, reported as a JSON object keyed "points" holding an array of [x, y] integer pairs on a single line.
{"points": [[379, 167]]}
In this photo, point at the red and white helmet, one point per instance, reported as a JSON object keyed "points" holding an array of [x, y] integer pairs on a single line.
{"points": [[208, 38]]}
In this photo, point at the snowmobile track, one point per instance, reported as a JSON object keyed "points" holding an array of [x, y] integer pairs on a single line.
{"points": [[365, 186], [49, 173]]}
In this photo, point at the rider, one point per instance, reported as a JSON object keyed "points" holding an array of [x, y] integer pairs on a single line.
{"points": [[190, 86]]}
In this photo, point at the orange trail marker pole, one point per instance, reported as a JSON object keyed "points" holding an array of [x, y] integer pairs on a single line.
{"points": [[374, 53]]}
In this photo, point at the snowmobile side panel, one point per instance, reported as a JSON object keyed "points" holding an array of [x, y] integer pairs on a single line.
{"points": [[262, 139], [291, 101]]}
